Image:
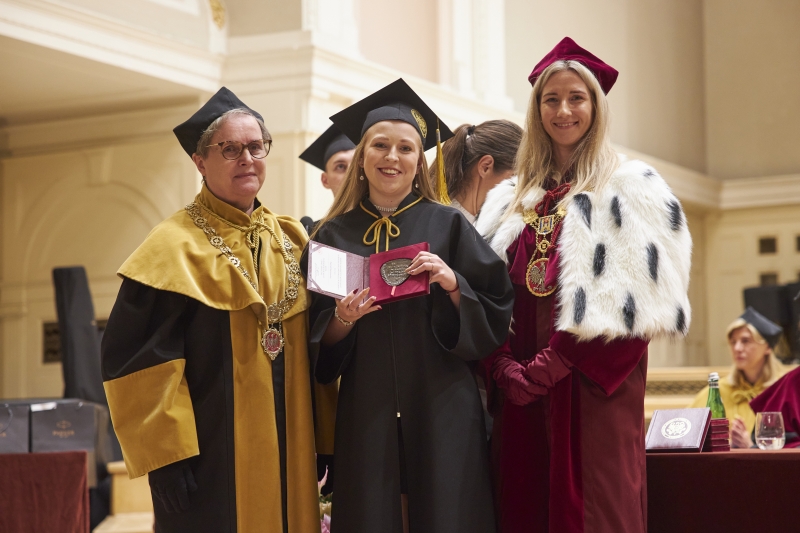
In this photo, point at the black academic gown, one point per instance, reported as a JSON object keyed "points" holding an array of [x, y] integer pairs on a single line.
{"points": [[187, 379], [149, 326], [413, 357]]}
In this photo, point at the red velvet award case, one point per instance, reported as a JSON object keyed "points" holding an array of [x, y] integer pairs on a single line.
{"points": [[337, 273], [417, 285]]}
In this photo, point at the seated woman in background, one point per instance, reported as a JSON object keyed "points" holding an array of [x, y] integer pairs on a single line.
{"points": [[475, 160], [752, 338]]}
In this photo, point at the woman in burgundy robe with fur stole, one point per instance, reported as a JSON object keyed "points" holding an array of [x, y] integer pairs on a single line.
{"points": [[598, 251]]}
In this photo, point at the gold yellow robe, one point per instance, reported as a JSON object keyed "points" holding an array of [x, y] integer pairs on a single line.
{"points": [[186, 376]]}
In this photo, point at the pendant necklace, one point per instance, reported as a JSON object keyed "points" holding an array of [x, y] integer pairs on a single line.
{"points": [[545, 225], [272, 340]]}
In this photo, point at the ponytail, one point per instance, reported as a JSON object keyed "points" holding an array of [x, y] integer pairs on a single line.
{"points": [[498, 138]]}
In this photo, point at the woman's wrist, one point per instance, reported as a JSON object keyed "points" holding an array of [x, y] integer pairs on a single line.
{"points": [[346, 323], [455, 286]]}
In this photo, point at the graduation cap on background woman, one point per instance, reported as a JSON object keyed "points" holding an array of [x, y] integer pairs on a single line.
{"points": [[326, 146], [767, 328], [398, 101]]}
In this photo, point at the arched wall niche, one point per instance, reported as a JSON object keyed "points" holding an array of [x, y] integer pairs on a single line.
{"points": [[88, 207]]}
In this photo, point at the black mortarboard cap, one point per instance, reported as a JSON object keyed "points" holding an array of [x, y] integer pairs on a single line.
{"points": [[329, 143], [769, 330], [189, 132], [396, 101]]}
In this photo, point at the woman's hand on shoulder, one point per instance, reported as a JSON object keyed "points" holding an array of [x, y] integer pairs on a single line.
{"points": [[439, 271]]}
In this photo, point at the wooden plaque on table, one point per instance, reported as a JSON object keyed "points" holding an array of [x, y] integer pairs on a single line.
{"points": [[678, 430]]}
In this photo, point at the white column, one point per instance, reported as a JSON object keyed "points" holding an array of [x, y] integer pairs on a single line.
{"points": [[333, 25], [472, 53], [489, 52]]}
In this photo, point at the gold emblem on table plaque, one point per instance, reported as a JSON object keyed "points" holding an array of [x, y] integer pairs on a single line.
{"points": [[676, 428], [394, 272]]}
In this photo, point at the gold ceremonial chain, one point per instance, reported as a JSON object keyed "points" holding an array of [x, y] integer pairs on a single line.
{"points": [[272, 341], [392, 231], [251, 232], [544, 225]]}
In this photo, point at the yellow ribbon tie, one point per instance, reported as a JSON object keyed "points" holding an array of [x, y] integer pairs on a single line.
{"points": [[392, 231]]}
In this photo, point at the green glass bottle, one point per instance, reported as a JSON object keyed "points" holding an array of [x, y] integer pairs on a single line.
{"points": [[714, 400]]}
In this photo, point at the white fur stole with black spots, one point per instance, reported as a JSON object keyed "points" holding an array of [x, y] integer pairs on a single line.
{"points": [[625, 255]]}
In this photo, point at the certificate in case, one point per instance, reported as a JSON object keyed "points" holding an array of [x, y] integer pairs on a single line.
{"points": [[337, 273], [678, 430]]}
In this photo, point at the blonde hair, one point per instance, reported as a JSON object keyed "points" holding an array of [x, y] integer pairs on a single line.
{"points": [[354, 189], [592, 162], [772, 369]]}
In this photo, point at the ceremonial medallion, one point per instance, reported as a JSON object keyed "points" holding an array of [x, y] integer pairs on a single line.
{"points": [[535, 278], [272, 342], [543, 246], [394, 272], [546, 224]]}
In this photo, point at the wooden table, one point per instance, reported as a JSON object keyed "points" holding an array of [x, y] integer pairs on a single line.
{"points": [[44, 492], [730, 492]]}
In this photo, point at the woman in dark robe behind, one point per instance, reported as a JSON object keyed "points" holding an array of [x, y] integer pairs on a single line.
{"points": [[409, 419], [598, 251]]}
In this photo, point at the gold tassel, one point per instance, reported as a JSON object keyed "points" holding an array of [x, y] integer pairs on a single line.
{"points": [[441, 179]]}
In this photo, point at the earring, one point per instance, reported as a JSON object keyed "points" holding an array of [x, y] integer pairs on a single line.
{"points": [[416, 184], [361, 177]]}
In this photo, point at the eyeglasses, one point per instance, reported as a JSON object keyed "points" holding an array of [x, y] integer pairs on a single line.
{"points": [[259, 149]]}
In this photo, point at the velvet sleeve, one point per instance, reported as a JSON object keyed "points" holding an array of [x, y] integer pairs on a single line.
{"points": [[606, 363], [526, 382], [142, 357], [481, 323]]}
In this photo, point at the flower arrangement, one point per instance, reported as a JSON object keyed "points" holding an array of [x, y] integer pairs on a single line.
{"points": [[324, 505]]}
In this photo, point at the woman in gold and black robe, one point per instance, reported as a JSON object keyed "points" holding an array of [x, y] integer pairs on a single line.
{"points": [[205, 356]]}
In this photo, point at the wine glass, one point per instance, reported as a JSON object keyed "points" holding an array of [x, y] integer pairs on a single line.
{"points": [[770, 434]]}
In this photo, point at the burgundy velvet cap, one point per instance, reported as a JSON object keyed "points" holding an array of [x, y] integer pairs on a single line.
{"points": [[569, 49]]}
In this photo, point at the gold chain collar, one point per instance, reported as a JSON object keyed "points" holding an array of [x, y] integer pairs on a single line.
{"points": [[272, 340], [251, 232]]}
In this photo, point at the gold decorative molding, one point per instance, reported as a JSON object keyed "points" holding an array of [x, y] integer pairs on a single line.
{"points": [[217, 12], [674, 387]]}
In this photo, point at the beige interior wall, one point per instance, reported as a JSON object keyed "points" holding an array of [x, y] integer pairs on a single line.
{"points": [[752, 54], [91, 206], [246, 17], [400, 36], [185, 20], [657, 103], [733, 263]]}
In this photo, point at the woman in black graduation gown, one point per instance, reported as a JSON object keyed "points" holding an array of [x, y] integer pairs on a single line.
{"points": [[409, 418]]}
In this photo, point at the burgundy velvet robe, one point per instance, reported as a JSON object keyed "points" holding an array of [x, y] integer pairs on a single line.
{"points": [[573, 461], [783, 396]]}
